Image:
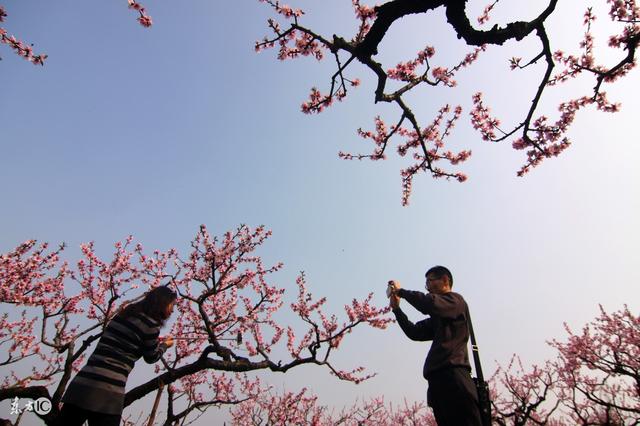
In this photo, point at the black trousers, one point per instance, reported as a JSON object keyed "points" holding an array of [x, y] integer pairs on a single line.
{"points": [[72, 415], [453, 397]]}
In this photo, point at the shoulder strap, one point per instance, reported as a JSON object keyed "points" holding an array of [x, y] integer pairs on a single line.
{"points": [[474, 349]]}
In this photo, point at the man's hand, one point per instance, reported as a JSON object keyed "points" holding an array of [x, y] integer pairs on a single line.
{"points": [[168, 341], [394, 286], [392, 292], [394, 302]]}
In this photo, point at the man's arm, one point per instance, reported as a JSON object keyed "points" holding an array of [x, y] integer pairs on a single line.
{"points": [[445, 305], [420, 331]]}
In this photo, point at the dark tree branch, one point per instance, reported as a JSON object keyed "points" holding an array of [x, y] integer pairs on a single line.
{"points": [[204, 362], [387, 14], [457, 17]]}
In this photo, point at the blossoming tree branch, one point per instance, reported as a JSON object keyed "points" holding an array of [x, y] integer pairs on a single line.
{"points": [[225, 326], [538, 135], [26, 51]]}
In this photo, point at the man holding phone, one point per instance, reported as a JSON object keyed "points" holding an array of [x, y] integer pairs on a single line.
{"points": [[451, 393]]}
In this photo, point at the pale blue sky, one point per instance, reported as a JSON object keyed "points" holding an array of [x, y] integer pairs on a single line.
{"points": [[153, 132]]}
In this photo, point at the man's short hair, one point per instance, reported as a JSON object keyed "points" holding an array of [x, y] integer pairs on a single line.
{"points": [[439, 272]]}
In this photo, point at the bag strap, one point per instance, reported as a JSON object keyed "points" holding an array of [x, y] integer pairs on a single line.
{"points": [[474, 349]]}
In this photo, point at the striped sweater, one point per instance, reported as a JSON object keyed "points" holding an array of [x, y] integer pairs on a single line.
{"points": [[100, 385]]}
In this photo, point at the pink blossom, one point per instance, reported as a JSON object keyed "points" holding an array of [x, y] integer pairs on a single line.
{"points": [[26, 51], [484, 18], [406, 71], [481, 120], [365, 14], [143, 19], [514, 63], [317, 102]]}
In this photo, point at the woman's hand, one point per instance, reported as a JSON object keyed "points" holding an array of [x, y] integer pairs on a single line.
{"points": [[168, 341]]}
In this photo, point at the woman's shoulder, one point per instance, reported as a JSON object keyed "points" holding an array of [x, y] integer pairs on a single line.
{"points": [[148, 320], [140, 320]]}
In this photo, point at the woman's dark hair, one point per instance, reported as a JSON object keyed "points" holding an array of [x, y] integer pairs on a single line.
{"points": [[153, 304]]}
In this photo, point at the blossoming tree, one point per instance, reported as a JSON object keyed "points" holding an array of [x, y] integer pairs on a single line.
{"points": [[225, 325], [594, 380], [303, 409], [541, 137]]}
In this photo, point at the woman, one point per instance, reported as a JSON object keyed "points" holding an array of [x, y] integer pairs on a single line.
{"points": [[97, 392]]}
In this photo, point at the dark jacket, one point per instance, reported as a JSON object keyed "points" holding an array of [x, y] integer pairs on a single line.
{"points": [[446, 326]]}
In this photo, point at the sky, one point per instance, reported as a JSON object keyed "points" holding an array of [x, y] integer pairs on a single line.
{"points": [[152, 132]]}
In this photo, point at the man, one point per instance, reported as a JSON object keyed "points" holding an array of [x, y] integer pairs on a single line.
{"points": [[451, 393]]}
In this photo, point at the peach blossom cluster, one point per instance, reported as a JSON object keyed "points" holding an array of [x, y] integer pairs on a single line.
{"points": [[144, 19], [318, 102], [484, 17], [365, 14], [19, 47], [405, 71], [284, 10], [481, 120]]}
